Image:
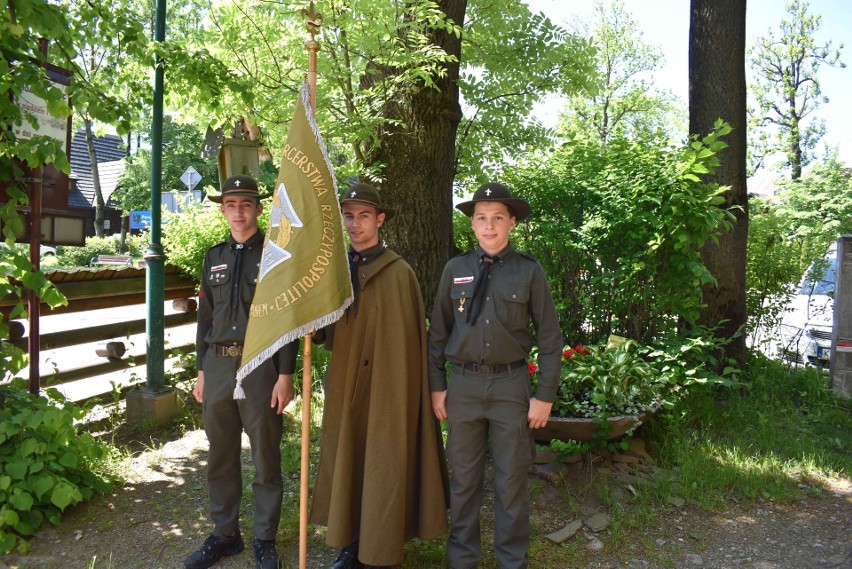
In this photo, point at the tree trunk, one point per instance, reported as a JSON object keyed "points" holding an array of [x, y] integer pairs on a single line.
{"points": [[420, 167], [795, 150], [717, 89], [100, 206]]}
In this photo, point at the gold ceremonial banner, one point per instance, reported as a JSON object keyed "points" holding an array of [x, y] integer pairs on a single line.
{"points": [[303, 283]]}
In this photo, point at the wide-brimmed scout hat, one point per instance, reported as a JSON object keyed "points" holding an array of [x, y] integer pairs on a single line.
{"points": [[496, 192], [239, 186], [365, 194]]}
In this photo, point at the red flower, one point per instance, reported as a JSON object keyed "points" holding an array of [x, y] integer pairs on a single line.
{"points": [[532, 367], [568, 353], [582, 350]]}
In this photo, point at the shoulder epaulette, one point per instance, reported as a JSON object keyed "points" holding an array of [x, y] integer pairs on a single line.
{"points": [[527, 256]]}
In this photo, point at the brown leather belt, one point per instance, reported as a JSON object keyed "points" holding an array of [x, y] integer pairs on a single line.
{"points": [[489, 368], [231, 351]]}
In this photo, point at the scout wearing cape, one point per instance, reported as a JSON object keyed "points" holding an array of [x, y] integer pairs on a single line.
{"points": [[382, 477]]}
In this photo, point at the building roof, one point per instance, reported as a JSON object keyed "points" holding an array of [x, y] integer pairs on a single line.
{"points": [[763, 184], [110, 153]]}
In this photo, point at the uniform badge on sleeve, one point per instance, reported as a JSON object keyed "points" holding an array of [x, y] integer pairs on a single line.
{"points": [[463, 280]]}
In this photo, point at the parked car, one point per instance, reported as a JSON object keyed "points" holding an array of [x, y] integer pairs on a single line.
{"points": [[806, 326]]}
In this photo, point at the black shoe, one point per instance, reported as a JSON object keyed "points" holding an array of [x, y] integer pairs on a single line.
{"points": [[265, 554], [215, 548], [348, 558]]}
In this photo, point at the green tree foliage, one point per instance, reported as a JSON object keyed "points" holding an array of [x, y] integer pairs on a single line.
{"points": [[510, 60], [181, 149], [25, 23], [619, 232], [622, 100], [270, 63], [819, 205], [787, 90], [788, 234]]}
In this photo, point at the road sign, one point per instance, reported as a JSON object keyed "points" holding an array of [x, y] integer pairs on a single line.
{"points": [[191, 177], [140, 219]]}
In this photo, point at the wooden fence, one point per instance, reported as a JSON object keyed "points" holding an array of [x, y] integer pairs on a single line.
{"points": [[90, 289]]}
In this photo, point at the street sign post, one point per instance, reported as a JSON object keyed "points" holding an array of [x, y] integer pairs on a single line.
{"points": [[190, 178]]}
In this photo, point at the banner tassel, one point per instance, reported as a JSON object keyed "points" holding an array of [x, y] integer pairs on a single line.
{"points": [[239, 392]]}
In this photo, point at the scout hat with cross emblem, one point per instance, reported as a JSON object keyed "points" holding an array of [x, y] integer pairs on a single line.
{"points": [[496, 192], [239, 186], [365, 194]]}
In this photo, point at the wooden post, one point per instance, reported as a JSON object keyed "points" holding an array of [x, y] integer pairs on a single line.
{"points": [[314, 21]]}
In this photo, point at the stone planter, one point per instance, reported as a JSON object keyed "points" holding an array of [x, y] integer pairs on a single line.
{"points": [[583, 429]]}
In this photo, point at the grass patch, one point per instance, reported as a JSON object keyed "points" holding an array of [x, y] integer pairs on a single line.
{"points": [[778, 430]]}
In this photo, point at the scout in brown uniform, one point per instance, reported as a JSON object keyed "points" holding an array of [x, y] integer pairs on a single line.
{"points": [[480, 323], [381, 478], [228, 279]]}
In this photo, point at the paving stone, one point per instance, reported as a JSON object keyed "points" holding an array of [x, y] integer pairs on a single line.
{"points": [[565, 533], [597, 522]]}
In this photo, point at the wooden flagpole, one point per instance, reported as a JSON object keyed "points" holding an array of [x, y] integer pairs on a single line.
{"points": [[313, 46]]}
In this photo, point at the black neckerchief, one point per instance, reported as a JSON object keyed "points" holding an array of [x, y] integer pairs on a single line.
{"points": [[237, 249], [360, 258]]}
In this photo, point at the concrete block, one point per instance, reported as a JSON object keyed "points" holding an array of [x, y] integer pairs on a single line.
{"points": [[145, 407]]}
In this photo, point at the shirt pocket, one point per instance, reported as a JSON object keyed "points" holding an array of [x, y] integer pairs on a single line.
{"points": [[462, 296], [511, 305], [218, 281], [249, 283]]}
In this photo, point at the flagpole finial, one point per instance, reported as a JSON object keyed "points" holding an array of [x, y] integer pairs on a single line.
{"points": [[314, 23], [314, 20]]}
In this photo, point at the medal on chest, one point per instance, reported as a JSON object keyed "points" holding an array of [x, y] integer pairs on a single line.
{"points": [[461, 304]]}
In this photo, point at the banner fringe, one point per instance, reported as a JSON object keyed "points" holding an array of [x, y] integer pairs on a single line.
{"points": [[282, 341], [306, 99]]}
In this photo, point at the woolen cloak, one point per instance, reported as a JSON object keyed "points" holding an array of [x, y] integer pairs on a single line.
{"points": [[382, 476]]}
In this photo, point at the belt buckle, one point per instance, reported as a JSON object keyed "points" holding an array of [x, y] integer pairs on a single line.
{"points": [[233, 351], [484, 368]]}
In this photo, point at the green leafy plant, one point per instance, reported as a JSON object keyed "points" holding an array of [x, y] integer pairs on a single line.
{"points": [[46, 463], [17, 276], [624, 378], [614, 381]]}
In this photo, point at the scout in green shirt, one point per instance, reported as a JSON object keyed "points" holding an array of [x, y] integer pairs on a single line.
{"points": [[228, 279], [485, 302]]}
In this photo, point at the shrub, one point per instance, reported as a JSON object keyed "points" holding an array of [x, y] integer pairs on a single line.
{"points": [[619, 230], [47, 464], [187, 236], [137, 244]]}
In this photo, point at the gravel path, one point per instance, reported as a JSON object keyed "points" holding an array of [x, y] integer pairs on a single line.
{"points": [[159, 516]]}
